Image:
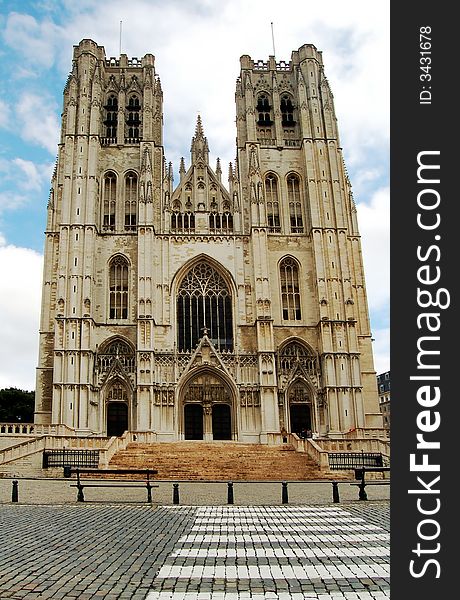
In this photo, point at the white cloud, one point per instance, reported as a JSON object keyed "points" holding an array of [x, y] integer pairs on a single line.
{"points": [[39, 123], [5, 112], [20, 181], [34, 39], [33, 176], [20, 290], [11, 200], [374, 227]]}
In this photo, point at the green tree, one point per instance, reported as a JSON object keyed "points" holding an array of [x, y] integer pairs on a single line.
{"points": [[16, 406]]}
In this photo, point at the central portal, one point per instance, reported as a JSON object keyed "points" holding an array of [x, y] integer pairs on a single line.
{"points": [[221, 422], [207, 409], [117, 418], [193, 421]]}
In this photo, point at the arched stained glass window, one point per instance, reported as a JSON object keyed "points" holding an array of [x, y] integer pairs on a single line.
{"points": [[295, 206], [118, 288], [109, 201], [130, 201], [204, 303], [290, 291], [118, 350], [272, 203]]}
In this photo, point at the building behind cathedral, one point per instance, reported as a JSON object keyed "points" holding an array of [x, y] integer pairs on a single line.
{"points": [[217, 309]]}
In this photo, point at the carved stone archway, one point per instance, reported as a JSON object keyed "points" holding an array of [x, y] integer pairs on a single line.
{"points": [[207, 395], [301, 408], [117, 409]]}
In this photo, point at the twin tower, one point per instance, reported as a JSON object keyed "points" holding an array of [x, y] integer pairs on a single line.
{"points": [[207, 310]]}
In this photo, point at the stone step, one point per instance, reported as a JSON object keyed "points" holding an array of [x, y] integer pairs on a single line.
{"points": [[218, 461]]}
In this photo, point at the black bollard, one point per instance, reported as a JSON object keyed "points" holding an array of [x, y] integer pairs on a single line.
{"points": [[335, 492], [14, 491], [80, 495], [284, 492], [149, 492], [175, 493], [362, 490], [230, 492], [362, 486]]}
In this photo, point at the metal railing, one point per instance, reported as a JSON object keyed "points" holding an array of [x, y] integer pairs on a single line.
{"points": [[354, 460], [71, 458]]}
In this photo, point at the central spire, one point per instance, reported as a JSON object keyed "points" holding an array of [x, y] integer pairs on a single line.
{"points": [[199, 149]]}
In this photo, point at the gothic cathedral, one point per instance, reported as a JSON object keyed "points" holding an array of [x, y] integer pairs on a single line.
{"points": [[203, 311]]}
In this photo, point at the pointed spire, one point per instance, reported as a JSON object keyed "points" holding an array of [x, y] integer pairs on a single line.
{"points": [[218, 170], [199, 149], [170, 171], [199, 127], [230, 172], [182, 168]]}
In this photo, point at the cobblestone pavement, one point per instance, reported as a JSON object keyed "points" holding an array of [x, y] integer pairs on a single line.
{"points": [[124, 551]]}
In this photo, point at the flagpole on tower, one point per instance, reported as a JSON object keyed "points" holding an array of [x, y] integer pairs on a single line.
{"points": [[273, 39], [121, 24]]}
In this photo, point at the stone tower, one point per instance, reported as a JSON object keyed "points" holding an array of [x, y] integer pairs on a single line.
{"points": [[203, 311]]}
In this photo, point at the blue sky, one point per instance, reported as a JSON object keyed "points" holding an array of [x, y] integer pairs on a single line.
{"points": [[197, 45]]}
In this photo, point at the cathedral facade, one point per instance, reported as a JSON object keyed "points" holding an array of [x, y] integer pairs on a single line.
{"points": [[203, 310]]}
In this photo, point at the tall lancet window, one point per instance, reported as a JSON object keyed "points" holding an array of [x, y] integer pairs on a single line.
{"points": [[130, 201], [111, 117], [290, 291], [295, 206], [287, 111], [204, 304], [133, 121], [272, 203], [118, 288], [109, 192], [263, 110]]}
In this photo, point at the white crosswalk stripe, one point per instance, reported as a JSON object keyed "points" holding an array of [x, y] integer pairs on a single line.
{"points": [[250, 548]]}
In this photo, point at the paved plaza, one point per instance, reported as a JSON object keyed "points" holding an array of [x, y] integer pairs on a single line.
{"points": [[141, 552]]}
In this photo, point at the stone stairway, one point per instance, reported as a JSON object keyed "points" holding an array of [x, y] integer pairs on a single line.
{"points": [[223, 461]]}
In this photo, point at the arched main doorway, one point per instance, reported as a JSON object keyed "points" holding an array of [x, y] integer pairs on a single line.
{"points": [[117, 418], [300, 415], [208, 408], [221, 422], [117, 408], [193, 422]]}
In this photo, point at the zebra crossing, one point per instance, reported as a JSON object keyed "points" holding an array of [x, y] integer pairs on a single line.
{"points": [[269, 552]]}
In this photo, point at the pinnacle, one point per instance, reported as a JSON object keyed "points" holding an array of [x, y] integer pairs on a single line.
{"points": [[199, 127]]}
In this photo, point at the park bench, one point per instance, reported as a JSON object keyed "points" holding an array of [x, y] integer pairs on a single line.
{"points": [[360, 475], [82, 481]]}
